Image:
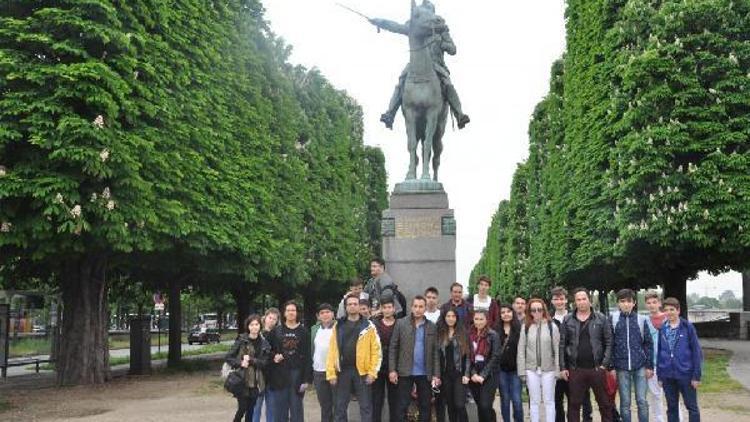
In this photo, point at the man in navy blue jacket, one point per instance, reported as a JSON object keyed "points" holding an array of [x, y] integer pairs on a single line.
{"points": [[679, 363], [632, 355]]}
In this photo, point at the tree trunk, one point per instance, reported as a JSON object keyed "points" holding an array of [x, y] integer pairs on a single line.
{"points": [[242, 300], [604, 302], [83, 357], [746, 290], [677, 288], [309, 310], [175, 324]]}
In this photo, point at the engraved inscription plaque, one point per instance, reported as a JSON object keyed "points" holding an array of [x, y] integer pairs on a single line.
{"points": [[414, 227]]}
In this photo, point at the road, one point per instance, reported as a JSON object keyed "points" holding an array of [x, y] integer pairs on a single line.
{"points": [[21, 370]]}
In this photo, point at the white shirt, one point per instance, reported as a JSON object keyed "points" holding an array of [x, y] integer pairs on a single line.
{"points": [[433, 316], [322, 344], [559, 317], [482, 305]]}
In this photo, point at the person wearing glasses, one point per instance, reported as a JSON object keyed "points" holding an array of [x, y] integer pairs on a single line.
{"points": [[538, 359], [485, 359]]}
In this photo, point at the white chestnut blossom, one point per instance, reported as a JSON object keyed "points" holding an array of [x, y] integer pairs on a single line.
{"points": [[75, 211], [5, 227], [99, 122], [59, 198], [3, 172], [110, 205], [105, 193], [104, 154]]}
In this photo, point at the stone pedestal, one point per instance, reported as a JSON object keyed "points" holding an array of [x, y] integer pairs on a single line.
{"points": [[419, 238]]}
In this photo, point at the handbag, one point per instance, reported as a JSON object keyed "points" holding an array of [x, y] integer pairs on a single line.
{"points": [[235, 383]]}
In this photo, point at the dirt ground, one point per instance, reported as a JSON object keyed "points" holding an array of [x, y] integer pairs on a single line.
{"points": [[200, 397]]}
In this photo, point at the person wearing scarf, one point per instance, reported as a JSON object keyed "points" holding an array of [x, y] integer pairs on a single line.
{"points": [[485, 360]]}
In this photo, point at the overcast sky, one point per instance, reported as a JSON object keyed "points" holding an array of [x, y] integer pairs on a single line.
{"points": [[501, 71]]}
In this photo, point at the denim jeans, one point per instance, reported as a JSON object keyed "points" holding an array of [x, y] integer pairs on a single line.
{"points": [[510, 392], [289, 400], [673, 388], [266, 396], [628, 381]]}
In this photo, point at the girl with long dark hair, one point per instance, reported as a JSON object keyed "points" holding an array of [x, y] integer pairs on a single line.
{"points": [[509, 331], [455, 367], [485, 358], [249, 354]]}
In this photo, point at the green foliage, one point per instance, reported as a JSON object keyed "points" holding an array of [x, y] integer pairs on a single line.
{"points": [[174, 141], [178, 131], [638, 162]]}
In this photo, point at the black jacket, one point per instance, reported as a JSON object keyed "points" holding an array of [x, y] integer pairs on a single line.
{"points": [[493, 363], [600, 332], [260, 361], [461, 362], [509, 348]]}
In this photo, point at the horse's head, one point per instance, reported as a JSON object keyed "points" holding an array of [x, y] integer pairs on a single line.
{"points": [[424, 21]]}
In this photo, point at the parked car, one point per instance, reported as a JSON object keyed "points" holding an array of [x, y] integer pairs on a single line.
{"points": [[204, 336]]}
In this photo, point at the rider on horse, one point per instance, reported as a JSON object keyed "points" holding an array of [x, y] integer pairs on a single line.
{"points": [[440, 43]]}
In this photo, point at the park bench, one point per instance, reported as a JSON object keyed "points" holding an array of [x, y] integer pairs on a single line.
{"points": [[23, 362]]}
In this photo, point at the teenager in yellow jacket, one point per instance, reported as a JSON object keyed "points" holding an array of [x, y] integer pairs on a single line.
{"points": [[353, 362]]}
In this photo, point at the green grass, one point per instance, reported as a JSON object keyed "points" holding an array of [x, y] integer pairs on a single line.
{"points": [[715, 378], [122, 341], [31, 346], [123, 360], [34, 346], [4, 405]]}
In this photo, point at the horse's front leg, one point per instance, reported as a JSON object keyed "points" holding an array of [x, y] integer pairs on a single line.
{"points": [[411, 135], [429, 134]]}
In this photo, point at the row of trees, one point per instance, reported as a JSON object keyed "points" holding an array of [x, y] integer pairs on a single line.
{"points": [[638, 171], [150, 145]]}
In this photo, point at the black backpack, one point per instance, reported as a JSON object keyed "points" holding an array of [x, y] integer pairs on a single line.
{"points": [[397, 296]]}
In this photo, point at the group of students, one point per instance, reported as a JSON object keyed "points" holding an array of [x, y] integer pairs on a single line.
{"points": [[468, 347]]}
